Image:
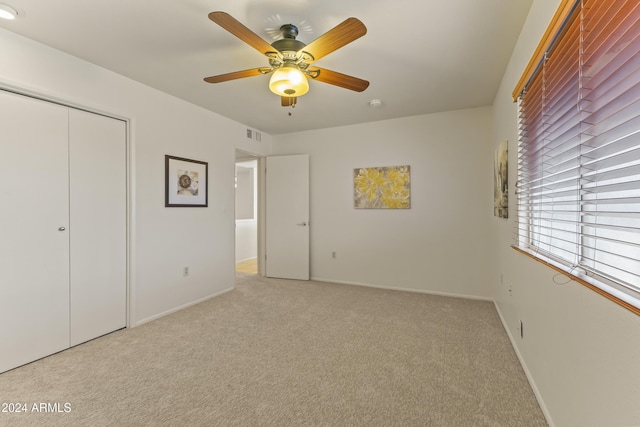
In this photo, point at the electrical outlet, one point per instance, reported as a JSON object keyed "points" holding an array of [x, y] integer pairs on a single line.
{"points": [[334, 255], [185, 271]]}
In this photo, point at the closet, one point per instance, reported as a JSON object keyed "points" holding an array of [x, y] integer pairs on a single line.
{"points": [[63, 213]]}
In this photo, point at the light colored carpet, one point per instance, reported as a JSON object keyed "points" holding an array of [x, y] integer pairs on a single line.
{"points": [[281, 352]]}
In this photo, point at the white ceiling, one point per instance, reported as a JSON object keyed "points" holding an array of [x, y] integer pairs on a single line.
{"points": [[420, 56]]}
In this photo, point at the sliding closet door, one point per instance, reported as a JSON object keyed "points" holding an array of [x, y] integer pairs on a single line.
{"points": [[34, 241], [97, 153]]}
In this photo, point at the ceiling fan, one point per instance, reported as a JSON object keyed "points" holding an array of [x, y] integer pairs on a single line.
{"points": [[290, 59]]}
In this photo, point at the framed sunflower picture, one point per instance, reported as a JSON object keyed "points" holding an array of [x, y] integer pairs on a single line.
{"points": [[185, 182], [387, 187]]}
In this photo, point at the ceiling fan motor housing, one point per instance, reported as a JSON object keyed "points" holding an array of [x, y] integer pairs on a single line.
{"points": [[289, 31], [288, 45], [290, 48]]}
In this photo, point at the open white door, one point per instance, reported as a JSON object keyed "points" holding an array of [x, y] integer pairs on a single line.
{"points": [[287, 217]]}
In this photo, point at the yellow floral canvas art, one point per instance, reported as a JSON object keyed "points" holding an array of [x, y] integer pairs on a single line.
{"points": [[382, 187], [500, 185]]}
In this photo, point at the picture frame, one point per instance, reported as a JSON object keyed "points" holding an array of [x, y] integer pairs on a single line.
{"points": [[386, 187], [500, 180], [186, 182]]}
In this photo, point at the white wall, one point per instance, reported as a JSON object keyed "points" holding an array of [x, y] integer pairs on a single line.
{"points": [[163, 240], [440, 244], [581, 350], [246, 239], [247, 202]]}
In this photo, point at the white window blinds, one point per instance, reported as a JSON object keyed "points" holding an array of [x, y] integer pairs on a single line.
{"points": [[578, 184]]}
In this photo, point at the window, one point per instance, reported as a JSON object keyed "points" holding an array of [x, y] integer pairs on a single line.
{"points": [[578, 186]]}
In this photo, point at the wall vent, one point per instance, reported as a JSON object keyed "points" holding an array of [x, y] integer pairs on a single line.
{"points": [[254, 134]]}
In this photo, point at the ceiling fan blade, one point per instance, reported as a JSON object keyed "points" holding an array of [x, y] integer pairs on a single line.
{"points": [[340, 35], [234, 26], [237, 75], [288, 101], [338, 79]]}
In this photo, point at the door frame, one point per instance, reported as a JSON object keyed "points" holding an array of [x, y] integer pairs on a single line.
{"points": [[260, 208]]}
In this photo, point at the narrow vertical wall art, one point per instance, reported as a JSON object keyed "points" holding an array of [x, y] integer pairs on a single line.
{"points": [[500, 181]]}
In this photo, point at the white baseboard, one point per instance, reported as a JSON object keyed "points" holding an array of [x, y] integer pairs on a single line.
{"points": [[175, 309], [532, 383], [390, 288]]}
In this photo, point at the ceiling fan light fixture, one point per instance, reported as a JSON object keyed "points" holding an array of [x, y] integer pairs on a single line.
{"points": [[289, 81]]}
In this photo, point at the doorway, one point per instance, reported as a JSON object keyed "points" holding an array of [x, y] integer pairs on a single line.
{"points": [[247, 217], [287, 233]]}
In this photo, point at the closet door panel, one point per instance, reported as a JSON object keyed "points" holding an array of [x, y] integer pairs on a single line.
{"points": [[34, 242], [98, 194]]}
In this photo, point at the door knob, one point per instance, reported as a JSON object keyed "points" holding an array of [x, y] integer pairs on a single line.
{"points": [[61, 229]]}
